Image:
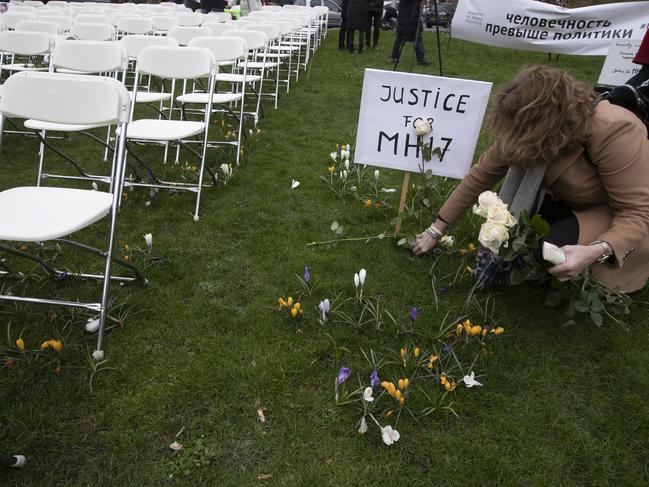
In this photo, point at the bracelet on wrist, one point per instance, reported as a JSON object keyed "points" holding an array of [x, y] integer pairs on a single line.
{"points": [[607, 250], [434, 232]]}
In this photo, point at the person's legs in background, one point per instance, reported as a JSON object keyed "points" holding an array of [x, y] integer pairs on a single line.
{"points": [[350, 40], [398, 42]]}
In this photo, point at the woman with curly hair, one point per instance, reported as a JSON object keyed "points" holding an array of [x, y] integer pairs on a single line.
{"points": [[582, 164]]}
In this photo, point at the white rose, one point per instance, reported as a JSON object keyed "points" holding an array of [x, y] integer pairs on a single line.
{"points": [[447, 242], [422, 127], [493, 235], [489, 199], [500, 214]]}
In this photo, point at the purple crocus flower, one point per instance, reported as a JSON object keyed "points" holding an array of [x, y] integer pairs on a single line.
{"points": [[447, 349], [374, 379], [307, 275], [413, 314], [441, 290], [343, 375]]}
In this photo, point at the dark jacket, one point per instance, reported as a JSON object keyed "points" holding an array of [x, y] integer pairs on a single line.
{"points": [[376, 5], [358, 15], [408, 18]]}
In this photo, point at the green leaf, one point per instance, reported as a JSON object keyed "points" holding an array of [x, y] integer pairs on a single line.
{"points": [[597, 306], [581, 306], [597, 319], [540, 226]]}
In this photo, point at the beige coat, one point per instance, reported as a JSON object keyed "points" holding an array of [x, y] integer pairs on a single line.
{"points": [[609, 195]]}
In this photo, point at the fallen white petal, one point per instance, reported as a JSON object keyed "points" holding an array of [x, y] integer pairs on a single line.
{"points": [[295, 184]]}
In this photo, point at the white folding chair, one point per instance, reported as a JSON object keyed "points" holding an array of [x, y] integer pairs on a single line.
{"points": [[41, 214], [217, 28], [271, 61], [135, 25], [79, 57], [92, 32], [190, 20], [216, 17], [93, 18], [64, 21], [174, 63], [256, 42], [10, 19], [23, 44], [51, 28], [184, 34], [226, 51], [162, 23]]}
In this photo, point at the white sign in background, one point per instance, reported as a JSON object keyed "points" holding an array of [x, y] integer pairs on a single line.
{"points": [[618, 66], [393, 101], [536, 26]]}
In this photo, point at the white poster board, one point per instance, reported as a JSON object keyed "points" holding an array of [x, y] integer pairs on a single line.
{"points": [[618, 66], [538, 26], [393, 101]]}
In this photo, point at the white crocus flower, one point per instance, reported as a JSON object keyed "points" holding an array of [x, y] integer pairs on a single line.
{"points": [[225, 169], [347, 164], [367, 394], [469, 380], [389, 435], [295, 184], [148, 239], [345, 174], [324, 308], [361, 275], [376, 175], [334, 156], [347, 149], [447, 241], [362, 429], [388, 190], [94, 186], [92, 325], [356, 280]]}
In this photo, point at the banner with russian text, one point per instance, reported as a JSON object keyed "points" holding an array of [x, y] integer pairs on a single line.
{"points": [[537, 26], [393, 102]]}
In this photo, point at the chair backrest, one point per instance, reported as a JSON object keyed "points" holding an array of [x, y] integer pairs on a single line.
{"points": [[175, 62], [22, 9], [49, 11], [64, 21], [234, 24], [26, 43], [135, 43], [254, 39], [56, 3], [91, 19], [184, 34], [38, 26], [10, 19], [92, 32], [222, 48], [114, 18], [272, 31], [216, 17], [135, 25], [194, 19], [33, 3], [163, 22], [90, 56], [217, 29], [65, 98], [284, 27]]}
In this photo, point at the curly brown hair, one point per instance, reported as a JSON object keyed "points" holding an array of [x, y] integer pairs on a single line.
{"points": [[539, 115]]}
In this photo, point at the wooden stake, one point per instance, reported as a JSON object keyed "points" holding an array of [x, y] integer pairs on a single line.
{"points": [[402, 202]]}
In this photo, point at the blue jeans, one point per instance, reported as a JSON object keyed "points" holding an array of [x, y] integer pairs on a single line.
{"points": [[419, 46]]}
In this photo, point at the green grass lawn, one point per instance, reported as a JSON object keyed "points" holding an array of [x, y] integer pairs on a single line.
{"points": [[202, 347]]}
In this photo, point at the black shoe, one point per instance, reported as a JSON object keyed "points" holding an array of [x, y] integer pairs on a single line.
{"points": [[424, 62]]}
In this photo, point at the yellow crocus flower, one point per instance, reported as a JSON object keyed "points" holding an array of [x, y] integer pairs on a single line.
{"points": [[498, 330], [297, 306], [20, 343], [46, 344], [484, 332], [417, 352], [293, 312], [401, 384], [458, 329], [368, 203], [406, 383], [472, 247], [56, 345], [397, 394], [433, 358], [402, 401], [331, 169], [289, 301], [475, 330]]}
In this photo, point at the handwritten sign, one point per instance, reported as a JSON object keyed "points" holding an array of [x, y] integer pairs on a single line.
{"points": [[391, 104], [618, 66]]}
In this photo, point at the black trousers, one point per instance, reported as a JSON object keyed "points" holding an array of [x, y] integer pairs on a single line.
{"points": [[350, 39], [564, 227], [375, 23]]}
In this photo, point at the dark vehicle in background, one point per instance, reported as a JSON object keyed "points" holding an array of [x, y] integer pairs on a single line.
{"points": [[444, 16], [335, 10]]}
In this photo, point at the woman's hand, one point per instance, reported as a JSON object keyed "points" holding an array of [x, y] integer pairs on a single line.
{"points": [[578, 259], [423, 244]]}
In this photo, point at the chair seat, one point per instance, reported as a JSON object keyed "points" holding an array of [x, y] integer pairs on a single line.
{"points": [[149, 97], [58, 127], [237, 78], [37, 214], [153, 129], [284, 48], [261, 65], [202, 98], [22, 67]]}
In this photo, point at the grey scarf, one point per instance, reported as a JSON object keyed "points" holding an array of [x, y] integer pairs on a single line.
{"points": [[524, 189]]}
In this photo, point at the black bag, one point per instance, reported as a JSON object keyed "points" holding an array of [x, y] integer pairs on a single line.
{"points": [[633, 98]]}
